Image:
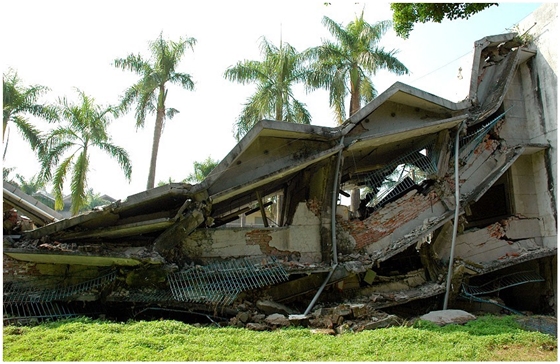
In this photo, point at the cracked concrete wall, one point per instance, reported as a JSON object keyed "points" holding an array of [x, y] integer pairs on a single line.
{"points": [[393, 221], [543, 78], [543, 24], [532, 198], [299, 241], [498, 241]]}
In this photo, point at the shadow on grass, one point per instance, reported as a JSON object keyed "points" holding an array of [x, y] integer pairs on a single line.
{"points": [[482, 326]]}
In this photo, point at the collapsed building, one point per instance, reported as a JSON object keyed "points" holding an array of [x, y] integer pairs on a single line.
{"points": [[472, 183]]}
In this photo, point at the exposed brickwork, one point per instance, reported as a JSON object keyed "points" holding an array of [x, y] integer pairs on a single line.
{"points": [[315, 206], [496, 230], [486, 144], [385, 221], [262, 238], [16, 270]]}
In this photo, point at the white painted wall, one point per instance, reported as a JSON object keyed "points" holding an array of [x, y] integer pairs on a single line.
{"points": [[302, 237]]}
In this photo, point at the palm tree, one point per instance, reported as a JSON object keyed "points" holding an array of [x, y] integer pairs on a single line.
{"points": [[345, 66], [274, 76], [70, 144], [201, 170], [19, 100], [93, 200], [150, 92]]}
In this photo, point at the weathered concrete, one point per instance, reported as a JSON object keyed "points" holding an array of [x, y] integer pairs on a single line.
{"points": [[390, 320], [523, 229], [277, 319], [271, 307], [446, 317], [302, 238], [173, 236]]}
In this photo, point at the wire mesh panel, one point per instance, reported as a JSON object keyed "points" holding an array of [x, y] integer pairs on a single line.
{"points": [[15, 293], [468, 143], [401, 174], [220, 283], [503, 282], [26, 312]]}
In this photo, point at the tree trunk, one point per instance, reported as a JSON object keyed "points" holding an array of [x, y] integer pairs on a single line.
{"points": [[155, 145], [354, 107], [354, 97]]}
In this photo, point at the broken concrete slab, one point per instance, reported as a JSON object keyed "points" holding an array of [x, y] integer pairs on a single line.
{"points": [[173, 235], [277, 319], [390, 320], [523, 229], [299, 320], [271, 307], [446, 317]]}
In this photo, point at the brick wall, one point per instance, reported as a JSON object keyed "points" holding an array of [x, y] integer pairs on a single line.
{"points": [[385, 221]]}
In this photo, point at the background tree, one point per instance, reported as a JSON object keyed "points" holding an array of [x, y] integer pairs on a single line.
{"points": [[31, 186], [19, 100], [280, 69], [345, 66], [93, 199], [84, 127], [150, 92], [201, 170], [405, 15]]}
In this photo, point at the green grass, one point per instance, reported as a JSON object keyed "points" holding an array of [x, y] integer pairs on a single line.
{"points": [[485, 339]]}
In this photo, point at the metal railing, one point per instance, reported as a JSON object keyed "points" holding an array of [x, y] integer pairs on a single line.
{"points": [[220, 283]]}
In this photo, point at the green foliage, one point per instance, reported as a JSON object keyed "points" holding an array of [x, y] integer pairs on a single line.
{"points": [[485, 339], [281, 68], [93, 200], [19, 100], [150, 92], [345, 66], [523, 37], [68, 148], [405, 15], [202, 169], [30, 187]]}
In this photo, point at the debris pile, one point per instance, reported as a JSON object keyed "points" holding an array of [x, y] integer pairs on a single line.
{"points": [[348, 317]]}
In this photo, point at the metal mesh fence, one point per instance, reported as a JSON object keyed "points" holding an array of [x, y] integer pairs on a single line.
{"points": [[27, 312], [221, 282], [401, 174], [14, 293], [468, 143], [506, 281]]}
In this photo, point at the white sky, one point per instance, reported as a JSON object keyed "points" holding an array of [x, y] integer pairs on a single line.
{"points": [[67, 44]]}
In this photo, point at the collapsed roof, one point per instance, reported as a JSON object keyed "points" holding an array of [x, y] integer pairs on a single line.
{"points": [[294, 164]]}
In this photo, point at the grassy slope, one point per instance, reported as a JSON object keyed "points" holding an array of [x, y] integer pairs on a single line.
{"points": [[486, 339]]}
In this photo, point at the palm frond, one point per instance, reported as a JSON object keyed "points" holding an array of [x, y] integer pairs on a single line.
{"points": [[28, 131], [120, 154], [58, 182], [54, 151], [78, 183], [182, 79], [133, 62], [170, 113]]}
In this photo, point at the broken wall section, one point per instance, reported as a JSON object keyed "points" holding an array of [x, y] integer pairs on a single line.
{"points": [[301, 241], [530, 185], [499, 241]]}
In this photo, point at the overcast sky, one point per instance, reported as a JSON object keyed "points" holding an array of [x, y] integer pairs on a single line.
{"points": [[72, 44]]}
